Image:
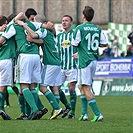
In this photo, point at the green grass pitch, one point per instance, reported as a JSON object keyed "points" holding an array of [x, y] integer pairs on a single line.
{"points": [[117, 112]]}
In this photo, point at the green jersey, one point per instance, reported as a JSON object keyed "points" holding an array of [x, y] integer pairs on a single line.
{"points": [[23, 46], [8, 49], [66, 54], [87, 38], [49, 47]]}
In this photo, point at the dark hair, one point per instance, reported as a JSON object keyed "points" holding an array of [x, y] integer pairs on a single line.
{"points": [[3, 20], [11, 16], [29, 12], [88, 13], [68, 16]]}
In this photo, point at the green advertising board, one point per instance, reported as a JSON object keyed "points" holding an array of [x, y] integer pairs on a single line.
{"points": [[117, 87]]}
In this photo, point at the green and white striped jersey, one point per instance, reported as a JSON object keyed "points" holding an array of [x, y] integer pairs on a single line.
{"points": [[49, 47], [87, 37], [7, 49], [67, 61]]}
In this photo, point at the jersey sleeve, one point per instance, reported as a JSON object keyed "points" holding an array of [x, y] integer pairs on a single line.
{"points": [[9, 32], [42, 33], [76, 38], [103, 39]]}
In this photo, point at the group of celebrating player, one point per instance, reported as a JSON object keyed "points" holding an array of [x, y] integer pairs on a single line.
{"points": [[68, 56]]}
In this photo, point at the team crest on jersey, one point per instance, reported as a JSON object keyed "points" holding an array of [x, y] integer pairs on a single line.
{"points": [[65, 44]]}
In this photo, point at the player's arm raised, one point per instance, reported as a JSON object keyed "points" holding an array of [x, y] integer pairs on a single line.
{"points": [[28, 29], [20, 16]]}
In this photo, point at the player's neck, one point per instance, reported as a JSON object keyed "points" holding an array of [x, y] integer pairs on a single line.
{"points": [[67, 30], [87, 22], [84, 20]]}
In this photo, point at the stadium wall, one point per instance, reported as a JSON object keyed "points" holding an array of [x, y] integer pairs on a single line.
{"points": [[117, 11]]}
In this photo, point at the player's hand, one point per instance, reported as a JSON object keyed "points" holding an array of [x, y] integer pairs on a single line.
{"points": [[48, 25], [29, 38], [3, 27], [75, 56], [19, 22]]}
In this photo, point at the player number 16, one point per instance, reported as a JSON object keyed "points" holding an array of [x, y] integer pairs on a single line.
{"points": [[92, 41]]}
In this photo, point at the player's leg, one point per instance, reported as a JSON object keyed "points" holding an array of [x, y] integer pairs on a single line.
{"points": [[56, 74], [63, 99], [2, 100], [72, 80], [86, 86], [15, 89], [50, 97], [24, 77], [92, 103], [35, 113], [2, 97], [28, 96], [40, 104], [21, 101], [7, 104], [51, 76], [55, 91], [4, 115], [23, 110], [73, 99], [56, 95], [5, 80], [84, 104], [6, 69], [36, 80], [35, 95], [37, 99]]}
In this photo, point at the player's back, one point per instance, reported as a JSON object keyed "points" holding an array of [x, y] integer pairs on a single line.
{"points": [[23, 45], [50, 51], [89, 44]]}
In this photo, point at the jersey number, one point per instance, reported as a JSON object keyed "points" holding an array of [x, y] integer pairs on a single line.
{"points": [[92, 41]]}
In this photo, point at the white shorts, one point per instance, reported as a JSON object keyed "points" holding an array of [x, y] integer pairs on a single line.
{"points": [[51, 75], [6, 72], [28, 69], [69, 75], [85, 75]]}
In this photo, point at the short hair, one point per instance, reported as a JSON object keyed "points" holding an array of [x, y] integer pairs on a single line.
{"points": [[68, 16], [11, 16], [29, 12], [40, 17], [3, 20], [88, 13]]}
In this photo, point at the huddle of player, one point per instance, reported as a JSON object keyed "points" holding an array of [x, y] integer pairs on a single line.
{"points": [[23, 36]]}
